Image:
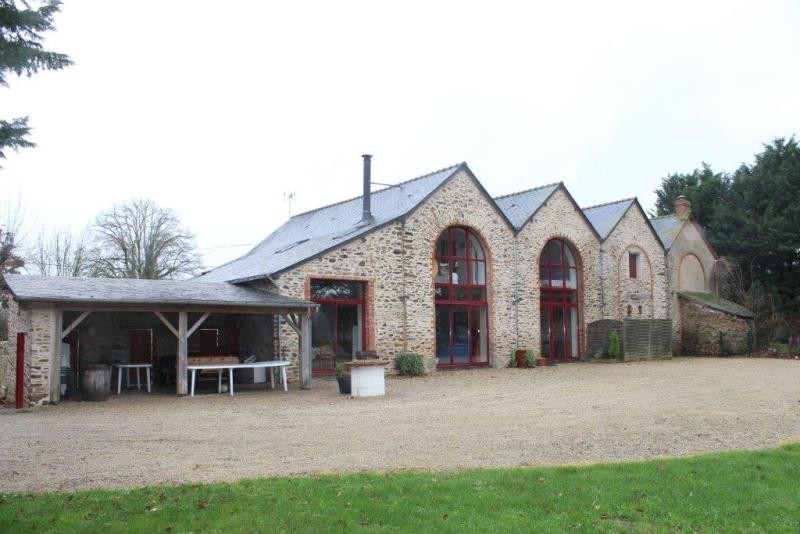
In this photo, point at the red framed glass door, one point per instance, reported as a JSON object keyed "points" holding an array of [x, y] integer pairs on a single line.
{"points": [[337, 331], [559, 308], [462, 329]]}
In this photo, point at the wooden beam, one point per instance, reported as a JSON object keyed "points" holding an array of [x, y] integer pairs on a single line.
{"points": [[73, 324], [293, 321], [197, 324], [183, 353], [167, 323], [305, 351]]}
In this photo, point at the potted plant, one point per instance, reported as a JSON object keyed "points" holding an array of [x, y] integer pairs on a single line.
{"points": [[519, 356], [530, 358], [343, 378]]}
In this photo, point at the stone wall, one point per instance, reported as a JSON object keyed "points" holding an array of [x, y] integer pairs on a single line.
{"points": [[702, 326], [689, 242], [646, 296], [396, 264], [40, 344], [557, 218], [19, 320]]}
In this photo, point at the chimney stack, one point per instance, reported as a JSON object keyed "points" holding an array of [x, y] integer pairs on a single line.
{"points": [[683, 208], [367, 217]]}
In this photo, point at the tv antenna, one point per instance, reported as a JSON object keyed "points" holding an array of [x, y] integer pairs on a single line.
{"points": [[288, 198]]}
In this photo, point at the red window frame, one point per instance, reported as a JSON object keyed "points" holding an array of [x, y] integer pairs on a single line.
{"points": [[451, 303], [633, 261], [335, 303], [556, 296]]}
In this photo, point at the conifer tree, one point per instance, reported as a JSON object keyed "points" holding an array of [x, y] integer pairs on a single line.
{"points": [[22, 28]]}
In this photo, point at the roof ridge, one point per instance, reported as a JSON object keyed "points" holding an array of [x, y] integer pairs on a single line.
{"points": [[398, 184], [528, 190], [609, 203]]}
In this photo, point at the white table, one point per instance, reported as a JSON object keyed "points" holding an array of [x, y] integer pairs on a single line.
{"points": [[120, 366], [272, 365]]}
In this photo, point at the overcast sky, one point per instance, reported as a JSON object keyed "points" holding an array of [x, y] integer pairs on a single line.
{"points": [[217, 109]]}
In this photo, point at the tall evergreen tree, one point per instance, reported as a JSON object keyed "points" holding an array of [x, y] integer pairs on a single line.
{"points": [[758, 226], [22, 28], [704, 188]]}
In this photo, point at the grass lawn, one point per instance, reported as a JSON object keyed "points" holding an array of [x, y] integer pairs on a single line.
{"points": [[734, 491]]}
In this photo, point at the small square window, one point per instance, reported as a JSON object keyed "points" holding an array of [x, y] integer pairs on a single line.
{"points": [[633, 265]]}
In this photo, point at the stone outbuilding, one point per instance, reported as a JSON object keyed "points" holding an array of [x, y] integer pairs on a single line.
{"points": [[700, 318], [58, 324]]}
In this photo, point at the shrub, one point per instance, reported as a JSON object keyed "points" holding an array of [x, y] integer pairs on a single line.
{"points": [[409, 363], [530, 358], [613, 345], [341, 370]]}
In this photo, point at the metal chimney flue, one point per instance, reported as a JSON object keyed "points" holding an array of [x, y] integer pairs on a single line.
{"points": [[366, 216]]}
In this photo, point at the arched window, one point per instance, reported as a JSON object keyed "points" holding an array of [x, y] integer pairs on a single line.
{"points": [[462, 323], [559, 284]]}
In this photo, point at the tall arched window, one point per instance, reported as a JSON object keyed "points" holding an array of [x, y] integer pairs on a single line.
{"points": [[559, 317], [462, 323]]}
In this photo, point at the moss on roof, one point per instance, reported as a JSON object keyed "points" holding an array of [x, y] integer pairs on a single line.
{"points": [[717, 303]]}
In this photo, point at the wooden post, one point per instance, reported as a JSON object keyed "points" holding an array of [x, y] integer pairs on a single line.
{"points": [[20, 386], [183, 352], [305, 350], [55, 357]]}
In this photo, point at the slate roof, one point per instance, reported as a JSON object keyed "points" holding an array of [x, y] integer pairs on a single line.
{"points": [[520, 207], [30, 288], [667, 227], [604, 217], [308, 235], [717, 303]]}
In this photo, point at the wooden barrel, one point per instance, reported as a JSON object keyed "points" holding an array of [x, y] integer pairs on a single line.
{"points": [[95, 379]]}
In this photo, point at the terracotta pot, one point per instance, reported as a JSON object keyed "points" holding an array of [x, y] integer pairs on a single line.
{"points": [[541, 361], [520, 357]]}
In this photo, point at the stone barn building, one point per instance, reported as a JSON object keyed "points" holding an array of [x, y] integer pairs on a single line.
{"points": [[703, 323], [436, 266], [433, 265]]}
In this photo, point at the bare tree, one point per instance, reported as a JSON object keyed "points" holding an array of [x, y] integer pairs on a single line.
{"points": [[733, 284], [60, 254], [139, 239], [12, 228]]}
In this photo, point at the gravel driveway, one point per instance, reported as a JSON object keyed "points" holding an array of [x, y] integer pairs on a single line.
{"points": [[451, 420]]}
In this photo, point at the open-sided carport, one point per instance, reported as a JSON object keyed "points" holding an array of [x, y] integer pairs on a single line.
{"points": [[41, 303]]}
